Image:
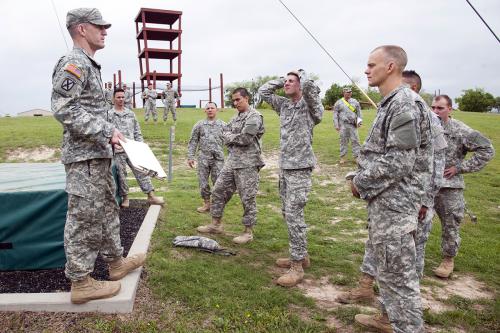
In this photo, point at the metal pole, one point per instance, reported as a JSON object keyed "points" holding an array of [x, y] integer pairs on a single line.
{"points": [[221, 92], [119, 78], [209, 89], [133, 94], [170, 145], [114, 81]]}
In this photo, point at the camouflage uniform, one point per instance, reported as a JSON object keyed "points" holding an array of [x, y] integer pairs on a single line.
{"points": [[297, 159], [241, 171], [79, 104], [150, 104], [424, 226], [128, 99], [346, 120], [169, 99], [449, 202], [393, 172], [108, 94], [126, 122], [206, 137]]}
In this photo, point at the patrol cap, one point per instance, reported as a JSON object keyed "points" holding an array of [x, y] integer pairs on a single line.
{"points": [[347, 89], [85, 15]]}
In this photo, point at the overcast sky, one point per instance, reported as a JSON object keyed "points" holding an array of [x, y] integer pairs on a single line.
{"points": [[446, 42]]}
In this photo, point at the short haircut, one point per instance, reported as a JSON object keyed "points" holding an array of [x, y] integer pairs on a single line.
{"points": [[73, 30], [446, 97], [414, 77], [242, 91], [150, 84], [396, 54], [206, 105], [117, 90], [294, 74]]}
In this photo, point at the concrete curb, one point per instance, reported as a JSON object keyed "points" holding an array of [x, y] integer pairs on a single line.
{"points": [[60, 302]]}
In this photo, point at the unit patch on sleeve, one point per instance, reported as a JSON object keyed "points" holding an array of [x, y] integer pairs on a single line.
{"points": [[67, 84]]}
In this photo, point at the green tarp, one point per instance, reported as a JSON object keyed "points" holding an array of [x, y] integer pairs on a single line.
{"points": [[33, 207]]}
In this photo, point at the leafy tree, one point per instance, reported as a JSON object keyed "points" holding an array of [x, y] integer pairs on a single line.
{"points": [[426, 97], [497, 103], [475, 100]]}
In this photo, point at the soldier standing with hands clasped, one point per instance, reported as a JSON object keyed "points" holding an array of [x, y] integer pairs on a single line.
{"points": [[206, 137], [150, 105], [346, 119], [79, 104]]}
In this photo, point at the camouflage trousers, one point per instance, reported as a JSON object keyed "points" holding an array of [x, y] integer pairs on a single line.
{"points": [[169, 107], [294, 187], [246, 181], [349, 132], [92, 221], [121, 162], [394, 255], [449, 205], [150, 110], [208, 168], [422, 235]]}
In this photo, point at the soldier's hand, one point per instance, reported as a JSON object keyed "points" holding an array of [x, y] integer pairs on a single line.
{"points": [[191, 163], [337, 128], [422, 213], [117, 136], [354, 190], [450, 172]]}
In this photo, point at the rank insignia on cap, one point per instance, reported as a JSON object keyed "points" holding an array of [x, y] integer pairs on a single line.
{"points": [[67, 84], [73, 69]]}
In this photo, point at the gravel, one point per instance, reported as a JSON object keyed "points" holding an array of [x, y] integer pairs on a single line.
{"points": [[54, 280]]}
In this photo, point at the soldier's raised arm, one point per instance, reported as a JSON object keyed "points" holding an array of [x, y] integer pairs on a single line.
{"points": [[310, 92], [267, 91]]}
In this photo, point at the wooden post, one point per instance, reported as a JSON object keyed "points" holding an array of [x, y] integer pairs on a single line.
{"points": [[221, 92]]}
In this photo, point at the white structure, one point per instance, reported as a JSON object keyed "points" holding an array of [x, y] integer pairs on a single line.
{"points": [[35, 113]]}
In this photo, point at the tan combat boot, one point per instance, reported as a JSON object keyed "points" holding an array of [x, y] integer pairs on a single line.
{"points": [[88, 289], [446, 268], [205, 208], [342, 161], [154, 200], [122, 266], [379, 322], [244, 238], [215, 227], [125, 202], [294, 275], [285, 262], [363, 293]]}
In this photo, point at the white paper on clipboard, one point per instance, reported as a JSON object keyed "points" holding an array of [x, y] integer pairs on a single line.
{"points": [[143, 159]]}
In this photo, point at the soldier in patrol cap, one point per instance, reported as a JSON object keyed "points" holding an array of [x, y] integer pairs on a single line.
{"points": [[79, 104], [108, 94], [347, 119]]}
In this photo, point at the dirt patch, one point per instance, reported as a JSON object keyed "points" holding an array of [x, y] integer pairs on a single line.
{"points": [[465, 286], [274, 208], [271, 159], [325, 293], [335, 220], [39, 154]]}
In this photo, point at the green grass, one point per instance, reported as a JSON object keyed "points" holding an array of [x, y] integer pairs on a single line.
{"points": [[205, 292]]}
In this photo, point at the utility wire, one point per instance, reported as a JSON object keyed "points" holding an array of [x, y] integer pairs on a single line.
{"points": [[328, 53], [59, 22], [486, 24]]}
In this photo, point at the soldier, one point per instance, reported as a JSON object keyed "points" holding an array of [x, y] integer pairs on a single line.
{"points": [[390, 178], [150, 104], [298, 113], [449, 201], [126, 122], [206, 137], [108, 94], [128, 97], [92, 223], [242, 136], [346, 119], [426, 213], [169, 98]]}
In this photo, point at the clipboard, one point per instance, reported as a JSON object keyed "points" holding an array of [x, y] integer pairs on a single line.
{"points": [[143, 159]]}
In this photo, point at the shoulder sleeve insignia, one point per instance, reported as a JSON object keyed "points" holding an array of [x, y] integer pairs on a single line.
{"points": [[73, 69], [67, 84]]}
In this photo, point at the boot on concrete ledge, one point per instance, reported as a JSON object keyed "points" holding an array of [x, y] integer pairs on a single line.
{"points": [[89, 289], [122, 266]]}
